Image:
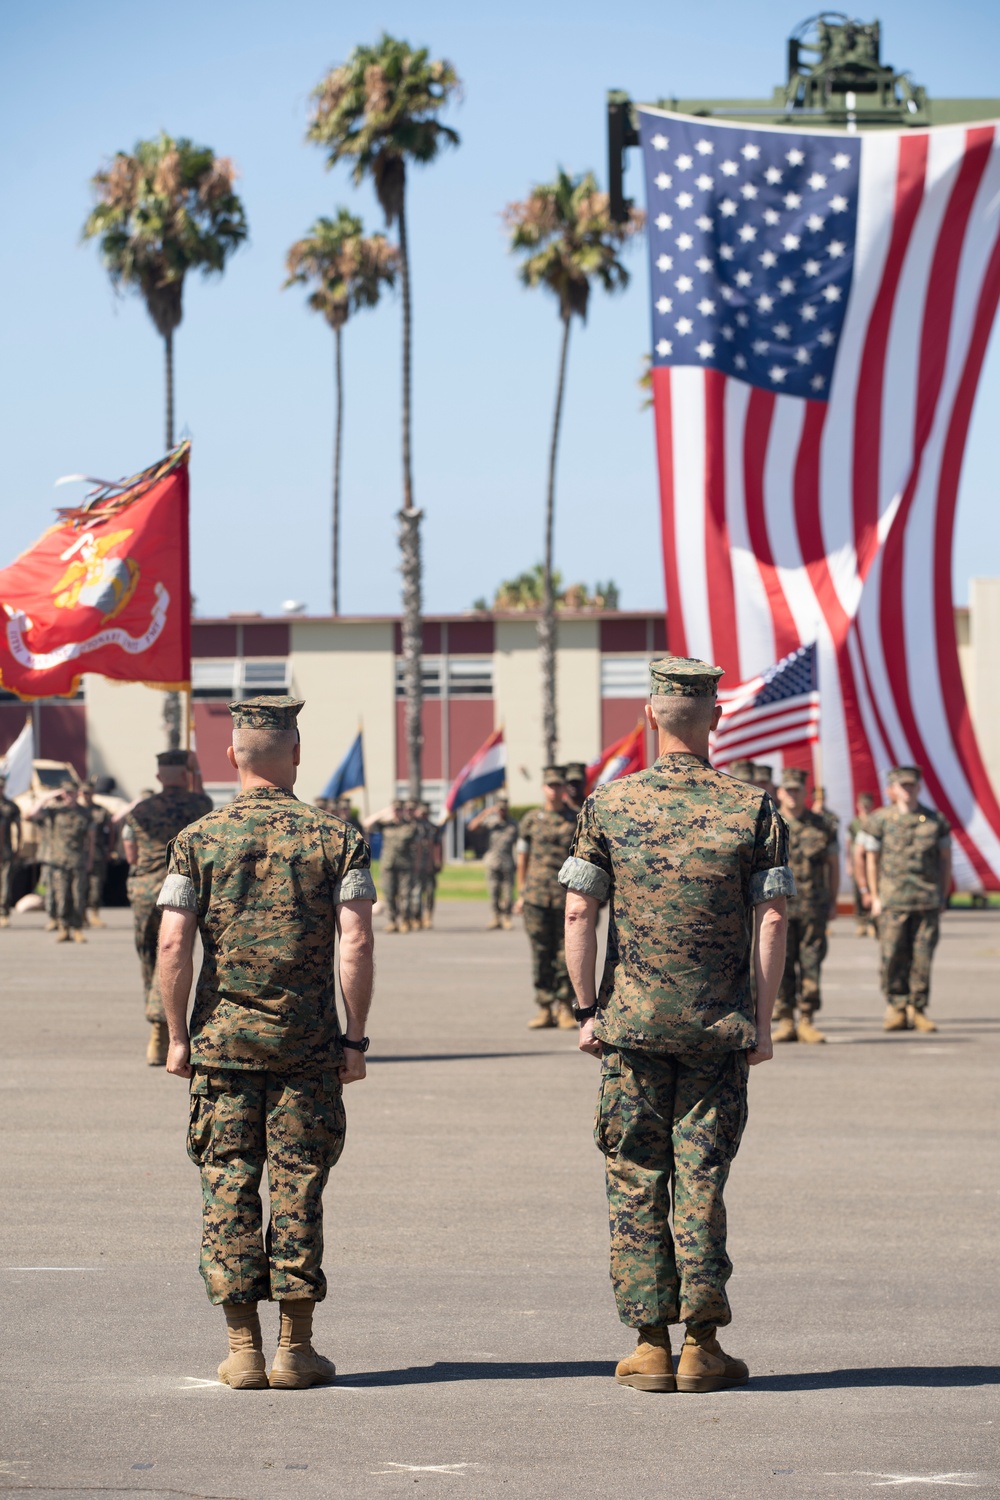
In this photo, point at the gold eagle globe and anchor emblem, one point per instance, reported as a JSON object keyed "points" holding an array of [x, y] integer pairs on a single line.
{"points": [[95, 579]]}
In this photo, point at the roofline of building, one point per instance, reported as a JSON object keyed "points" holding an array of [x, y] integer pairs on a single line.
{"points": [[471, 615]]}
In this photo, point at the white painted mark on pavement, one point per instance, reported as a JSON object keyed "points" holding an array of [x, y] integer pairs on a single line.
{"points": [[956, 1479], [195, 1383], [423, 1468], [56, 1268]]}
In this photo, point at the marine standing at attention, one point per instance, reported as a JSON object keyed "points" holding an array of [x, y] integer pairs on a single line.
{"points": [[815, 864], [68, 844], [695, 866], [271, 883], [545, 835], [10, 843], [150, 826], [399, 836], [905, 879], [498, 861]]}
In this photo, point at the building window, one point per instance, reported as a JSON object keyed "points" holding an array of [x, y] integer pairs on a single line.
{"points": [[467, 676], [430, 676], [624, 677], [230, 677]]}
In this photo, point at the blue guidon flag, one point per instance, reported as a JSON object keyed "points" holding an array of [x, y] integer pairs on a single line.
{"points": [[821, 304]]}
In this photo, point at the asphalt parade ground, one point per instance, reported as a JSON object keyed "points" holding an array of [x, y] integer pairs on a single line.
{"points": [[470, 1312]]}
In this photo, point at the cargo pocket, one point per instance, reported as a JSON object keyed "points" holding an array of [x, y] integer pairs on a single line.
{"points": [[608, 1122], [199, 1136], [731, 1119], [331, 1117]]}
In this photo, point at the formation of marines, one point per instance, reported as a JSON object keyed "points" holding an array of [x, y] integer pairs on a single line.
{"points": [[410, 862]]}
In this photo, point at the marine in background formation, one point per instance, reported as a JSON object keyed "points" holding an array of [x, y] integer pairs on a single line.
{"points": [[276, 888], [864, 922], [10, 844], [695, 867], [426, 867], [68, 841], [396, 861], [498, 861], [91, 886], [814, 862], [545, 835], [575, 788], [149, 828], [903, 869]]}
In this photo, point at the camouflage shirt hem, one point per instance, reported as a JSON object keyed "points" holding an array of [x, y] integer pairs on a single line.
{"points": [[178, 891], [587, 879], [768, 885], [357, 885]]}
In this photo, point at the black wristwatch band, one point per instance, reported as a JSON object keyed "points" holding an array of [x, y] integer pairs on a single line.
{"points": [[361, 1046], [585, 1015]]}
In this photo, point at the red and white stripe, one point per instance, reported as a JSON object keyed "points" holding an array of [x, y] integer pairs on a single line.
{"points": [[745, 731], [786, 521]]}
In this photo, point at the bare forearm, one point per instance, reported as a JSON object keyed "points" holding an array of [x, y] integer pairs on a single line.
{"points": [[357, 977], [769, 959], [581, 948], [871, 871], [175, 971]]}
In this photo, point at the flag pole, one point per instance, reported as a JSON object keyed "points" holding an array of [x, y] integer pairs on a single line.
{"points": [[364, 784], [188, 717]]}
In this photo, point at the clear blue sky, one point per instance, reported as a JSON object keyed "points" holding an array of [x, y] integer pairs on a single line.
{"points": [[82, 370]]}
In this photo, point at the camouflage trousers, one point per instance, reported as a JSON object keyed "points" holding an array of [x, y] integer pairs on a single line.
{"points": [[242, 1121], [423, 891], [545, 926], [907, 940], [146, 918], [500, 886], [670, 1122], [92, 886], [6, 879], [65, 886], [396, 882], [45, 877], [805, 950]]}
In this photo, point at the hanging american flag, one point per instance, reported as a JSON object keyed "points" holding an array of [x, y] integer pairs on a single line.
{"points": [[822, 303], [773, 712]]}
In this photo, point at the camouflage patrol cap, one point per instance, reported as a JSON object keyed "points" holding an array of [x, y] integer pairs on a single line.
{"points": [[683, 677], [741, 769], [172, 758], [266, 713], [793, 778], [554, 776], [762, 774], [901, 775], [576, 771]]}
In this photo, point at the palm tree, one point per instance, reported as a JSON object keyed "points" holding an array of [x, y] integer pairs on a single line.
{"points": [[348, 272], [167, 209], [380, 110], [570, 240]]}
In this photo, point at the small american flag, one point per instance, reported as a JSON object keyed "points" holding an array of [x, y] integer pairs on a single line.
{"points": [[772, 712]]}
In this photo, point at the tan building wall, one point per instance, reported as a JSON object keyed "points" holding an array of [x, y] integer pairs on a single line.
{"points": [[346, 673], [517, 686], [124, 732]]}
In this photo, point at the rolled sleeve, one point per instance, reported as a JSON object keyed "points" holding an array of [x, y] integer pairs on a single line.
{"points": [[868, 842], [768, 885], [580, 875], [178, 893], [357, 885]]}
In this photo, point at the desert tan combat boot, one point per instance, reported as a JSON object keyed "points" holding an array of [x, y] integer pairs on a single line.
{"points": [[94, 919], [159, 1042], [404, 927], [77, 934], [390, 926], [895, 1018], [807, 1031], [493, 925], [428, 923], [650, 1368], [506, 924], [296, 1363], [543, 1018], [705, 1366], [246, 1368], [785, 1031], [4, 921], [51, 925], [62, 934], [565, 1018], [919, 1020]]}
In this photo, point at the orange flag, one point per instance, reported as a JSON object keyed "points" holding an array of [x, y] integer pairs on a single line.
{"points": [[106, 589], [623, 758]]}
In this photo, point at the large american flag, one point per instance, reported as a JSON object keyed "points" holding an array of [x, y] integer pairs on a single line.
{"points": [[821, 308], [772, 712]]}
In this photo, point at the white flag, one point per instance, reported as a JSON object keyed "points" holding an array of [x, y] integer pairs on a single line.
{"points": [[18, 762]]}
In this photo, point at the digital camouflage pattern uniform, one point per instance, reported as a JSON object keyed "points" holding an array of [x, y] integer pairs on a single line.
{"points": [[396, 866], [265, 876], [910, 847], [498, 862], [812, 841], [423, 887], [101, 819], [151, 825], [546, 837], [67, 851], [10, 818], [684, 853]]}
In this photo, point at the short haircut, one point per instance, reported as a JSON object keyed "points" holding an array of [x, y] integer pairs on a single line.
{"points": [[172, 775], [256, 747], [682, 717]]}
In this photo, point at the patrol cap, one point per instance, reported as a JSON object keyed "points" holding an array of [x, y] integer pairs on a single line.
{"points": [[683, 677], [903, 775], [266, 713], [761, 774], [172, 758], [793, 778], [741, 769], [576, 771], [554, 776]]}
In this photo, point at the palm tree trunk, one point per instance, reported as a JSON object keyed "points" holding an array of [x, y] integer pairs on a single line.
{"points": [[409, 546], [338, 377], [547, 620], [168, 341]]}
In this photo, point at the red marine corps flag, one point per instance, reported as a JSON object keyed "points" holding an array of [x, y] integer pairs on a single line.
{"points": [[106, 590]]}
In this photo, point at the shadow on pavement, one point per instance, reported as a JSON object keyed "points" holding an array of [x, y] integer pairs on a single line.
{"points": [[445, 1370], [461, 1056], [912, 1375]]}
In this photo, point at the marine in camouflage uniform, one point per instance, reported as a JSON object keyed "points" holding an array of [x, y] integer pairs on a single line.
{"points": [[267, 877], [68, 843], [864, 925], [150, 826], [694, 864], [399, 837], [10, 843], [426, 863], [544, 838], [91, 887], [813, 858], [498, 861], [908, 865]]}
